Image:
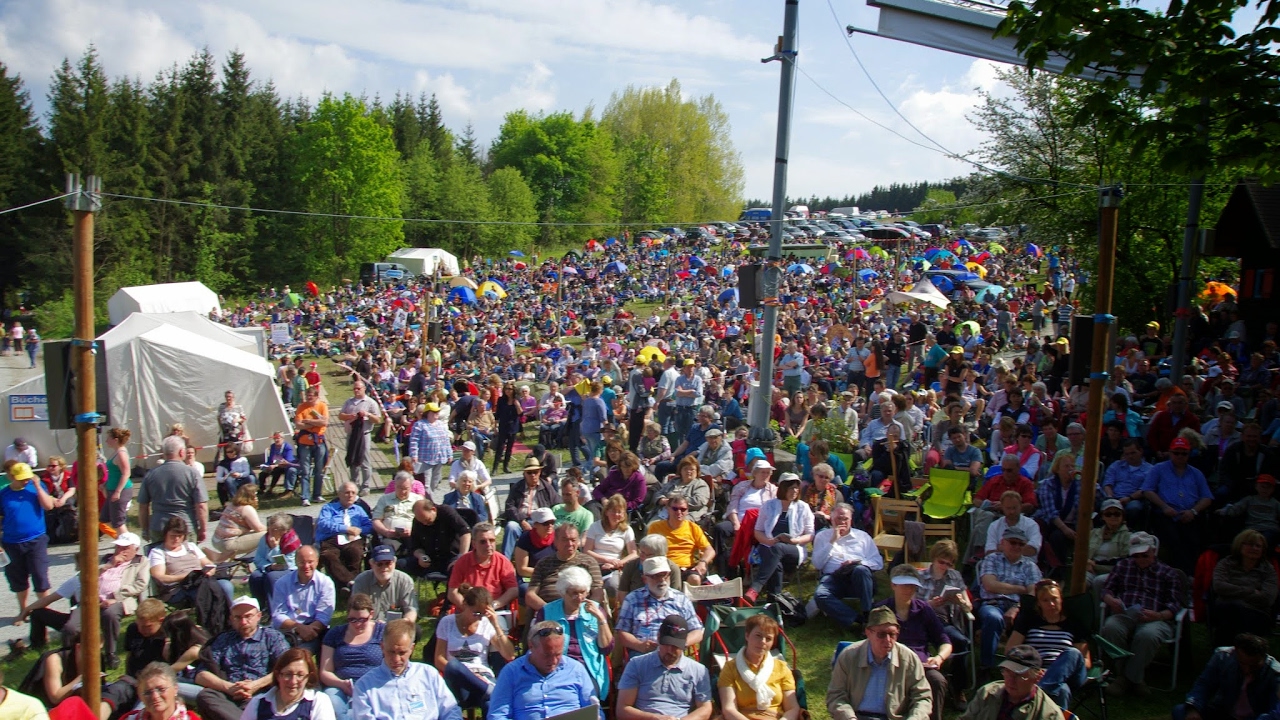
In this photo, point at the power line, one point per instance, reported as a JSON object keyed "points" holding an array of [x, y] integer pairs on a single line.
{"points": [[31, 205]]}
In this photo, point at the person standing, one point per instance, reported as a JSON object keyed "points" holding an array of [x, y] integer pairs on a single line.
{"points": [[311, 421], [173, 490], [232, 423], [33, 345], [361, 414], [119, 483], [431, 447]]}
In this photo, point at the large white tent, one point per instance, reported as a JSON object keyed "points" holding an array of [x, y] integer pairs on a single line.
{"points": [[163, 298], [923, 291], [424, 261]]}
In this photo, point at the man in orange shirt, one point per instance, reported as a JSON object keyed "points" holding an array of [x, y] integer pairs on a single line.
{"points": [[311, 420], [483, 566], [687, 545]]}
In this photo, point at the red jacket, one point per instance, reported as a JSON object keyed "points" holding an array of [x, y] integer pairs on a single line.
{"points": [[996, 486], [1163, 430]]}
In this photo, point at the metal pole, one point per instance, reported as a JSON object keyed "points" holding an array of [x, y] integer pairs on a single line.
{"points": [[1182, 318], [84, 203], [1109, 201], [758, 411]]}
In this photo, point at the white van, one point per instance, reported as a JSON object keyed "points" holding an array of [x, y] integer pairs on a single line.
{"points": [[801, 211]]}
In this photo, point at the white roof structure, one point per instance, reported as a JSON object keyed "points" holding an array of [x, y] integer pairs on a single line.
{"points": [[423, 261], [193, 322], [923, 291], [162, 298]]}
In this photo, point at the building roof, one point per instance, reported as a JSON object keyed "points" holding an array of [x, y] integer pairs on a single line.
{"points": [[1251, 217]]}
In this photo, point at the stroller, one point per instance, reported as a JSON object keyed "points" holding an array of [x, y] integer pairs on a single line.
{"points": [[723, 636]]}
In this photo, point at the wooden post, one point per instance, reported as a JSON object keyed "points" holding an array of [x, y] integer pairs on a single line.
{"points": [[1109, 202], [84, 203]]}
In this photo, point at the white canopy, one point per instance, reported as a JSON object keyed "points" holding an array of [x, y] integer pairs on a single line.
{"points": [[423, 261], [163, 298], [923, 291]]}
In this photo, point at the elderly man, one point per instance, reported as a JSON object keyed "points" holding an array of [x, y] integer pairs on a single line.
{"points": [[715, 457], [1004, 576], [524, 497], [1019, 695], [845, 558], [1244, 674], [879, 677], [400, 689], [631, 577], [469, 461], [687, 545], [341, 530], [791, 363], [484, 567], [665, 683], [392, 591], [542, 585], [361, 414], [431, 447], [1179, 493], [438, 537], [644, 609], [544, 683], [393, 513], [303, 601], [173, 489], [878, 429], [280, 462], [1143, 596], [693, 440], [1010, 478], [1125, 479], [239, 663]]}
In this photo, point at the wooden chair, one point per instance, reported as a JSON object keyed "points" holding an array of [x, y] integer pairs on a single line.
{"points": [[893, 513]]}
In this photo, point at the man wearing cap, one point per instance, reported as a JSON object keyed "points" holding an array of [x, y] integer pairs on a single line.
{"points": [[542, 584], [687, 545], [311, 421], [1143, 596], [239, 662], [1004, 577], [879, 678], [1179, 493], [121, 583], [361, 414], [715, 457], [438, 536], [543, 683], [1018, 695], [665, 683], [1166, 424], [21, 451], [1125, 479], [845, 558], [431, 447], [390, 589], [303, 601], [920, 629], [643, 610], [531, 493]]}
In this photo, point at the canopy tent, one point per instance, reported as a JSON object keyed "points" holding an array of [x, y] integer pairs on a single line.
{"points": [[162, 298], [464, 295], [923, 291], [425, 261]]}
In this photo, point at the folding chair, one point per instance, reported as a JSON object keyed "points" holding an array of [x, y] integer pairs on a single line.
{"points": [[948, 497], [890, 512]]}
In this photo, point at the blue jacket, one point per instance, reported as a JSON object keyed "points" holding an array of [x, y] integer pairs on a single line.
{"points": [[285, 453], [330, 522], [452, 497], [1218, 686]]}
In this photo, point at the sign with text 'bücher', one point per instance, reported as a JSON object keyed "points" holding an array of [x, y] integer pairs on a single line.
{"points": [[29, 408]]}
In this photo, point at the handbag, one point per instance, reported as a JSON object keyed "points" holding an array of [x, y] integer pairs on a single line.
{"points": [[790, 609]]}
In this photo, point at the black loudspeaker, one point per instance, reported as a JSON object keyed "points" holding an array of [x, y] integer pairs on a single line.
{"points": [[433, 331], [1082, 350], [60, 385], [749, 286]]}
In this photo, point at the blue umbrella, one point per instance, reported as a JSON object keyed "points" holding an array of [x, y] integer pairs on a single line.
{"points": [[966, 276], [516, 253], [726, 271], [942, 282], [611, 241], [553, 275], [801, 269], [868, 274], [353, 320], [464, 294], [497, 282], [727, 295], [490, 295], [697, 262], [616, 267]]}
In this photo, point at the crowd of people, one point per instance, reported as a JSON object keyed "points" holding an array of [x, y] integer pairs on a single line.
{"points": [[585, 564]]}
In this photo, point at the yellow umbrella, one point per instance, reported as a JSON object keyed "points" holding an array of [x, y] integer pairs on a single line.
{"points": [[493, 287], [651, 353], [460, 281], [995, 248], [975, 267]]}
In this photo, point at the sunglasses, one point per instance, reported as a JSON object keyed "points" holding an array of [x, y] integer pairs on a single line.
{"points": [[1113, 513], [549, 631]]}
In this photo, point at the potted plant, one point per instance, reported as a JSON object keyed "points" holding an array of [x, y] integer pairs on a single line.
{"points": [[839, 438]]}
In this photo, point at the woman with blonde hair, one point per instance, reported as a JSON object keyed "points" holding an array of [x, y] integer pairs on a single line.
{"points": [[119, 483], [239, 529]]}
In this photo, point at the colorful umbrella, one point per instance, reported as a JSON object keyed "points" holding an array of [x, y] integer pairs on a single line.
{"points": [[857, 253], [520, 266], [800, 269], [649, 354], [313, 289], [1215, 289], [616, 266], [878, 251], [1033, 249], [697, 262], [973, 327], [980, 257], [465, 295], [726, 272], [942, 282], [982, 272], [867, 274], [727, 295], [995, 248]]}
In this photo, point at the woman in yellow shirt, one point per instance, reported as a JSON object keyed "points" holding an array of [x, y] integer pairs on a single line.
{"points": [[756, 685]]}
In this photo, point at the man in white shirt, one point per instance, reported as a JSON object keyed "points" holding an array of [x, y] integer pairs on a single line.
{"points": [[1011, 509], [845, 557], [23, 452]]}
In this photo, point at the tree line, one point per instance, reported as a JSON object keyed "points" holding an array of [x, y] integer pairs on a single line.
{"points": [[358, 178], [895, 198]]}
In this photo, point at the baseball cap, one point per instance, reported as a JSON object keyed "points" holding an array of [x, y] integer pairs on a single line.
{"points": [[19, 442], [904, 574], [542, 515], [432, 407], [127, 539], [882, 615], [655, 565], [1266, 479], [1141, 542], [245, 600], [383, 553], [674, 631], [1014, 533], [1179, 444], [468, 445], [1112, 504], [688, 362], [21, 471], [1022, 658], [1224, 405]]}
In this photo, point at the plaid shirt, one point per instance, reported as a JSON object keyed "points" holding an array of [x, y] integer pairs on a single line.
{"points": [[429, 443], [642, 613], [246, 659], [1159, 587], [1022, 572]]}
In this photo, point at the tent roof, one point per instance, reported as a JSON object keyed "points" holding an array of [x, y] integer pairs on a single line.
{"points": [[191, 322], [422, 253], [162, 298], [207, 349]]}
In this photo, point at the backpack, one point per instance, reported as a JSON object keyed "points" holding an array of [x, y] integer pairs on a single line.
{"points": [[62, 525], [790, 609]]}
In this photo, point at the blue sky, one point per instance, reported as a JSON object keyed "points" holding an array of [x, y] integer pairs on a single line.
{"points": [[483, 58]]}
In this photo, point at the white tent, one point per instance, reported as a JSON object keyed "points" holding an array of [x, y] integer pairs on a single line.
{"points": [[923, 291], [423, 261], [159, 374], [193, 322], [163, 298]]}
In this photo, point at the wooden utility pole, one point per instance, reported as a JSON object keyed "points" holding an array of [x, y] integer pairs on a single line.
{"points": [[1109, 204], [84, 202]]}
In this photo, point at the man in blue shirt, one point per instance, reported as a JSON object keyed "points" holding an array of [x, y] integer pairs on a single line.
{"points": [[688, 392], [1179, 493], [1125, 479], [242, 658], [963, 456], [792, 366], [340, 531], [399, 689], [23, 503], [1005, 576], [302, 601], [644, 609], [543, 683], [665, 682]]}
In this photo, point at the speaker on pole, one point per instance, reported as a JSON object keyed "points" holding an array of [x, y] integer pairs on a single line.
{"points": [[433, 331], [1082, 349], [749, 286], [60, 385]]}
